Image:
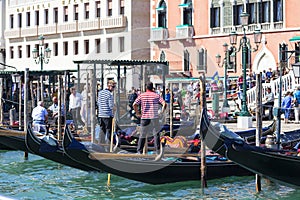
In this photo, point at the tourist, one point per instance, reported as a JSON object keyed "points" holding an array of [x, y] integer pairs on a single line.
{"points": [[54, 109], [75, 107], [131, 100], [106, 110], [286, 106], [40, 117], [149, 102], [296, 104], [269, 98]]}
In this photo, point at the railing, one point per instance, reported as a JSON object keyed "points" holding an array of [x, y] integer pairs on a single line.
{"points": [[288, 84], [25, 32], [159, 34], [89, 25], [67, 27], [184, 32], [113, 22], [12, 33], [49, 29]]}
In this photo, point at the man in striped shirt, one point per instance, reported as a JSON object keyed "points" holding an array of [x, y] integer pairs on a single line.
{"points": [[105, 110], [149, 102]]}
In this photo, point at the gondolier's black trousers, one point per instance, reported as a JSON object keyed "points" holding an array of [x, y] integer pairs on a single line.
{"points": [[149, 127], [105, 126]]}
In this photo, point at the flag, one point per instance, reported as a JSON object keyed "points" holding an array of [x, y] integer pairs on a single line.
{"points": [[215, 77]]}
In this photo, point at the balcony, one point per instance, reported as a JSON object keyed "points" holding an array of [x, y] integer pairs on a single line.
{"points": [[49, 29], [113, 22], [26, 32], [159, 34], [12, 33], [89, 25], [67, 27], [184, 32]]}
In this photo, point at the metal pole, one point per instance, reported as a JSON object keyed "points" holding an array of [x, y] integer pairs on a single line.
{"points": [[244, 111], [25, 104], [41, 58], [278, 122], [225, 103], [20, 103]]}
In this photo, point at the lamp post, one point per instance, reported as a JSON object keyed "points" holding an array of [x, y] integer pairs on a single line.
{"points": [[226, 63], [245, 46], [42, 54]]}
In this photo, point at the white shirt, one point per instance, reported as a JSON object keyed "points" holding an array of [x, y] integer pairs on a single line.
{"points": [[75, 101], [39, 113]]}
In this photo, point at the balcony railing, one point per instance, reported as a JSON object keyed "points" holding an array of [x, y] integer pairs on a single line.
{"points": [[25, 32], [159, 34], [89, 25], [12, 33], [113, 22], [49, 29], [67, 27], [184, 32]]}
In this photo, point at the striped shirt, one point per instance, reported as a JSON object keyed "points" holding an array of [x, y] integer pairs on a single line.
{"points": [[105, 103], [149, 102]]}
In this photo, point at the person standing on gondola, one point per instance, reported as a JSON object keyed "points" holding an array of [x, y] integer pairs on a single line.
{"points": [[106, 110], [149, 102], [75, 107], [40, 117]]}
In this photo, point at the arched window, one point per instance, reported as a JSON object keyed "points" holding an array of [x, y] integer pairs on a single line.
{"points": [[162, 14], [186, 60], [187, 7]]}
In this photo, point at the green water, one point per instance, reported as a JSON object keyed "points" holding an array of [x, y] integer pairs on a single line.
{"points": [[38, 178]]}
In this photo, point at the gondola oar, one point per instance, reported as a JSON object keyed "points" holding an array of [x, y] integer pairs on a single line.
{"points": [[111, 145]]}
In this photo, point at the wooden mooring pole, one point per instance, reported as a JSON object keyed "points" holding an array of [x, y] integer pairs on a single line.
{"points": [[258, 122], [203, 148], [26, 120]]}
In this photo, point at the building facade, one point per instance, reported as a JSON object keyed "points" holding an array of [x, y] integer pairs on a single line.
{"points": [[76, 30], [191, 33]]}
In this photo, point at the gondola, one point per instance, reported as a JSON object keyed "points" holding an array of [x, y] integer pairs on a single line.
{"points": [[48, 147], [277, 165], [149, 170], [13, 139]]}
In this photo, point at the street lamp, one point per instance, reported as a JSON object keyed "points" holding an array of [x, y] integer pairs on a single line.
{"points": [[245, 46], [226, 63], [40, 56]]}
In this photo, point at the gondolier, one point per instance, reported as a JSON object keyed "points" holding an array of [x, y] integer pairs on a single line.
{"points": [[105, 110], [40, 117], [149, 102]]}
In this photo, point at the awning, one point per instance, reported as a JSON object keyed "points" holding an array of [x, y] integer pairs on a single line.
{"points": [[161, 8], [295, 39]]}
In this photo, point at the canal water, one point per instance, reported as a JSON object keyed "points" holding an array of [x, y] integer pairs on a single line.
{"points": [[38, 178]]}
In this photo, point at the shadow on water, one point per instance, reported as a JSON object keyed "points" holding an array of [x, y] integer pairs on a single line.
{"points": [[38, 178]]}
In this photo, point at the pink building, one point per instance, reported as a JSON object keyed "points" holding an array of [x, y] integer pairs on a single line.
{"points": [[191, 33]]}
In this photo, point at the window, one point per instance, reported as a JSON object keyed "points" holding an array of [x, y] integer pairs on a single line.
{"points": [[202, 60], [97, 44], [37, 18], [55, 49], [215, 17], [65, 48], [264, 11], [11, 21], [11, 52], [27, 19], [19, 20], [98, 9], [86, 10], [55, 15], [251, 10], [75, 12], [186, 61], [162, 14], [187, 13], [122, 7], [28, 51], [46, 16], [109, 11], [65, 13], [86, 47], [75, 47], [237, 11], [109, 45], [277, 10], [20, 51], [121, 44]]}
